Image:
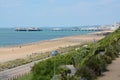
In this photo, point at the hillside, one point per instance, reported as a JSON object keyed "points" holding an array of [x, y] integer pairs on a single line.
{"points": [[89, 60]]}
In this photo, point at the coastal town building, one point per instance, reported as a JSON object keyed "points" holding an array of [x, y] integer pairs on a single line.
{"points": [[110, 27], [115, 26]]}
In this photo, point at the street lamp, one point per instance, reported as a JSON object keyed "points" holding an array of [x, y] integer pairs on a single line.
{"points": [[54, 53]]}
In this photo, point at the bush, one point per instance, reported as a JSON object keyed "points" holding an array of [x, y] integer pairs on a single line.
{"points": [[86, 72], [42, 69], [108, 59], [97, 63]]}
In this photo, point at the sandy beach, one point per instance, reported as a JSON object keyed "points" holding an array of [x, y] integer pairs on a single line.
{"points": [[15, 52]]}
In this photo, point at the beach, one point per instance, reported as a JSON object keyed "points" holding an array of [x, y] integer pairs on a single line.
{"points": [[22, 51]]}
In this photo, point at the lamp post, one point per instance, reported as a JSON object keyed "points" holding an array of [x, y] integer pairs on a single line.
{"points": [[54, 53]]}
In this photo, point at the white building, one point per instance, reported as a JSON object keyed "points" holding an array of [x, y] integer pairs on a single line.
{"points": [[116, 26]]}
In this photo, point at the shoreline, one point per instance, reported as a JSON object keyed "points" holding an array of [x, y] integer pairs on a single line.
{"points": [[22, 43], [22, 51], [40, 41]]}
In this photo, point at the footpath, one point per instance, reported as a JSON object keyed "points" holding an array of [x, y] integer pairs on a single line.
{"points": [[13, 73], [113, 72]]}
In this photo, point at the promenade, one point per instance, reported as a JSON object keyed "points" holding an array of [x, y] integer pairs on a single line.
{"points": [[12, 73]]}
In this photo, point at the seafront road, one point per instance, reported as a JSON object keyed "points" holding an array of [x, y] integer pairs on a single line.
{"points": [[9, 74]]}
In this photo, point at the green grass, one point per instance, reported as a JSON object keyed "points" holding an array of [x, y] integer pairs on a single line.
{"points": [[26, 77]]}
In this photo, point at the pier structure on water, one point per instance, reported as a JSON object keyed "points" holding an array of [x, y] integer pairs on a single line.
{"points": [[28, 29]]}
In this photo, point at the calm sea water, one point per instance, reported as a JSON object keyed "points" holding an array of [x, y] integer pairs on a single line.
{"points": [[10, 37]]}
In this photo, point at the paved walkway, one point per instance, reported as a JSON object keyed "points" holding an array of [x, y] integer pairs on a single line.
{"points": [[114, 71], [9, 74]]}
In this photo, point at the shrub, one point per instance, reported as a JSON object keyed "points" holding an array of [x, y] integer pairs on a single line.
{"points": [[86, 72], [42, 69]]}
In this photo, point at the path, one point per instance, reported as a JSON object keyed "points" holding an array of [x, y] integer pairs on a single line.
{"points": [[114, 71], [17, 71]]}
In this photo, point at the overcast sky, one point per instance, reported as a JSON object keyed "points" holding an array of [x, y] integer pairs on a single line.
{"points": [[17, 13]]}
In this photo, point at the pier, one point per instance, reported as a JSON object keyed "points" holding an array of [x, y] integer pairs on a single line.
{"points": [[28, 29]]}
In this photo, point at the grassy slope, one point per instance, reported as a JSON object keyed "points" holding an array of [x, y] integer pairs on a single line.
{"points": [[89, 61]]}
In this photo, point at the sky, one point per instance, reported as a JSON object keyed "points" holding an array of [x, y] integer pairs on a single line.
{"points": [[42, 13]]}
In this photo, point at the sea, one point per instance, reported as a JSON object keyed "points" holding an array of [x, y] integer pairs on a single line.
{"points": [[10, 37]]}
